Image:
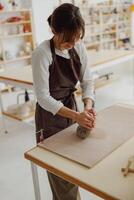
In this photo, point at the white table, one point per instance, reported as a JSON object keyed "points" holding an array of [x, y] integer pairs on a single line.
{"points": [[105, 179]]}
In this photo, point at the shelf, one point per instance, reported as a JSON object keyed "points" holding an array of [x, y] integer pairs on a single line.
{"points": [[13, 11], [19, 117], [94, 34], [126, 38], [16, 35], [20, 38], [105, 14], [108, 32], [109, 40], [15, 42], [124, 28], [92, 25], [118, 13], [93, 44], [123, 13], [111, 6], [17, 59], [97, 6], [123, 21], [120, 39], [111, 23], [15, 23]]}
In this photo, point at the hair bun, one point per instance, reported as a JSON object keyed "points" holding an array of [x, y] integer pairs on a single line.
{"points": [[49, 19]]}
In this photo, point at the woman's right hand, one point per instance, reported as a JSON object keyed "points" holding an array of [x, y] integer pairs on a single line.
{"points": [[85, 119]]}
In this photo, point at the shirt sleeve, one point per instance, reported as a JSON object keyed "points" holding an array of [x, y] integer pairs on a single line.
{"points": [[86, 81], [40, 69]]}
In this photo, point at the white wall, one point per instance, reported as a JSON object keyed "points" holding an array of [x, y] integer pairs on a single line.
{"points": [[41, 11]]}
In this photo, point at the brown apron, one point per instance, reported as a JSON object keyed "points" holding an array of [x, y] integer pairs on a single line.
{"points": [[63, 76]]}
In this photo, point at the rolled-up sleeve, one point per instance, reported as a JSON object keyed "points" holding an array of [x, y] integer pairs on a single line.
{"points": [[40, 69], [86, 81]]}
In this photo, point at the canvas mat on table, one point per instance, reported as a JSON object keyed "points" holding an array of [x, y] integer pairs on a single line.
{"points": [[114, 126]]}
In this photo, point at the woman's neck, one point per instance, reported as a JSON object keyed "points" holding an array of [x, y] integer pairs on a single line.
{"points": [[56, 43]]}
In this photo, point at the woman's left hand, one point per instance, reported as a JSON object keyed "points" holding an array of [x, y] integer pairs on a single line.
{"points": [[92, 112]]}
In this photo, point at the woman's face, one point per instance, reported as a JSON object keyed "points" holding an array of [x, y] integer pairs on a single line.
{"points": [[62, 44], [68, 45]]}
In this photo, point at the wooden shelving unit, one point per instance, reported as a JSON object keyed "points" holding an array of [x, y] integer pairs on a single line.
{"points": [[16, 27], [16, 44], [16, 35], [15, 23], [108, 26], [14, 11]]}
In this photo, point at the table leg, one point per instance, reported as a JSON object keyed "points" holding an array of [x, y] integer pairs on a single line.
{"points": [[133, 79], [35, 181], [2, 116]]}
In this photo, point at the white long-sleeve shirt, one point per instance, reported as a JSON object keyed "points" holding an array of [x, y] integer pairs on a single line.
{"points": [[42, 59]]}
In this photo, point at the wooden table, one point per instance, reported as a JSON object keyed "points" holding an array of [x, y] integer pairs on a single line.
{"points": [[105, 179]]}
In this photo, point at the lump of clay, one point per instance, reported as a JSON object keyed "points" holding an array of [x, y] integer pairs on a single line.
{"points": [[82, 132]]}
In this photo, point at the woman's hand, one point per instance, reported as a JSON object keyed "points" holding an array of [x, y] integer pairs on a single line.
{"points": [[92, 111], [88, 108], [86, 119]]}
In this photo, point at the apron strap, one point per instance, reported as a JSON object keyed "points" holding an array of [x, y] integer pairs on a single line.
{"points": [[73, 55]]}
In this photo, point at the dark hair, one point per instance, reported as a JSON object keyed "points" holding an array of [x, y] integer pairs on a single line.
{"points": [[67, 19]]}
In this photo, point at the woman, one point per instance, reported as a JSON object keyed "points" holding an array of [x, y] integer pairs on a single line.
{"points": [[58, 64]]}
